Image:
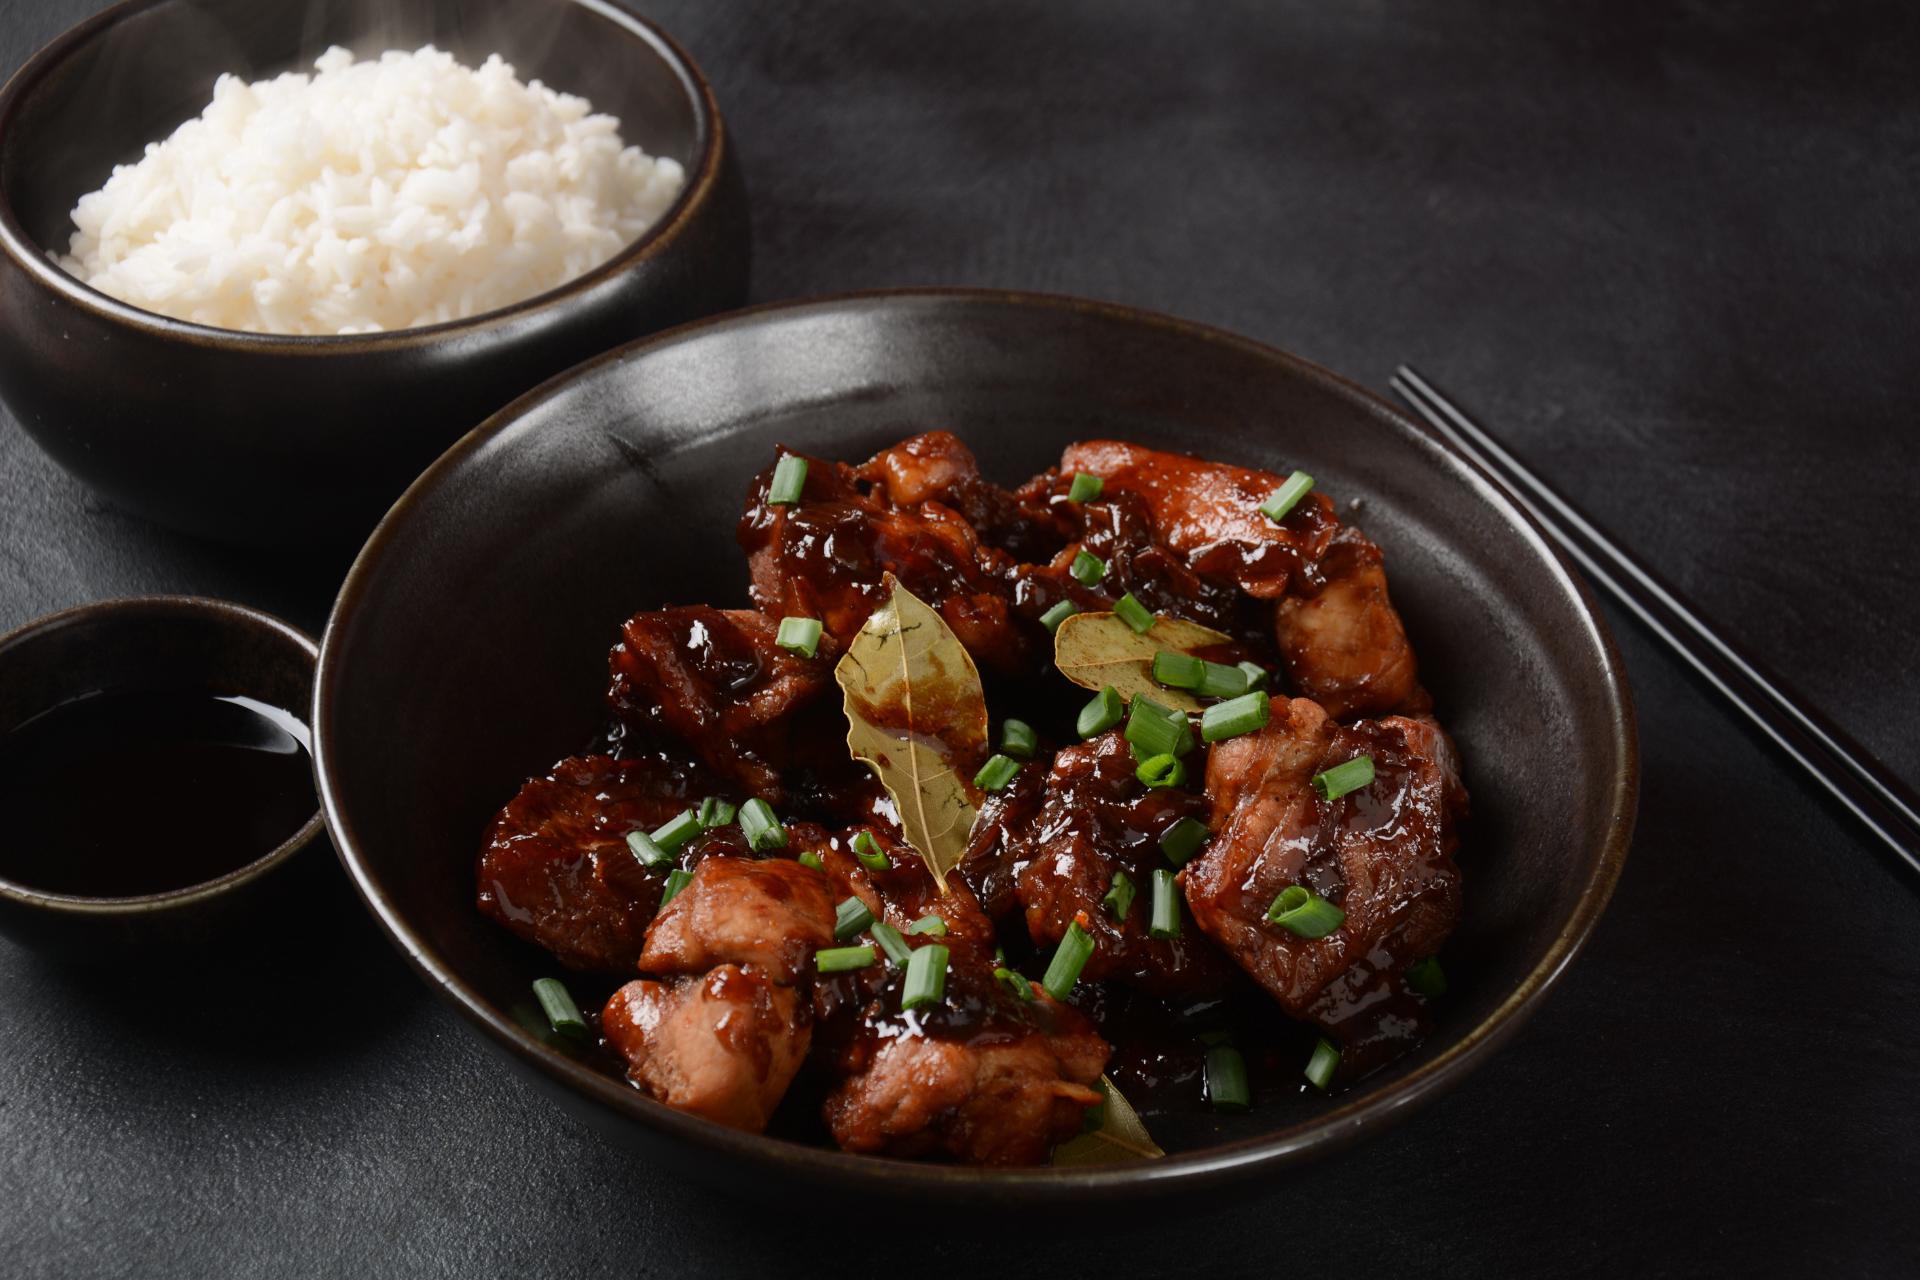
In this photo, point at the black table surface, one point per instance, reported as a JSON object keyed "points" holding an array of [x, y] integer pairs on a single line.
{"points": [[1668, 251]]}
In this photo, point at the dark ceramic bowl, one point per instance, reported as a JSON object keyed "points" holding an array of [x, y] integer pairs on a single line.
{"points": [[268, 440], [467, 651], [154, 642]]}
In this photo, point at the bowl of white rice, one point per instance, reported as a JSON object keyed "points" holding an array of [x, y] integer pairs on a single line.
{"points": [[262, 260]]}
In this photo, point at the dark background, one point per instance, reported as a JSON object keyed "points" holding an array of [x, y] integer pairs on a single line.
{"points": [[1666, 250]]}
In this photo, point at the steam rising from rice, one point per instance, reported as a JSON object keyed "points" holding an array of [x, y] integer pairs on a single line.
{"points": [[376, 195]]}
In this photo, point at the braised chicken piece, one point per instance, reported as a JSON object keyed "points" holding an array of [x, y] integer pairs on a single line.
{"points": [[555, 868], [715, 679], [990, 869], [904, 892], [768, 913], [936, 467], [1345, 646], [724, 1045], [1382, 854], [1099, 820]]}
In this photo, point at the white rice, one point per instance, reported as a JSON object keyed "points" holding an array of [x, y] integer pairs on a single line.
{"points": [[375, 195]]}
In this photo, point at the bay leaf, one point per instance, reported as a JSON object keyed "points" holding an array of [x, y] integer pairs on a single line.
{"points": [[1097, 649], [1121, 1136], [917, 717]]}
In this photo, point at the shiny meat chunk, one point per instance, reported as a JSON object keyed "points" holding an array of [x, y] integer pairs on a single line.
{"points": [[904, 893], [1209, 512], [1099, 819], [1345, 646], [771, 913], [1383, 854], [723, 1046], [935, 466], [555, 867], [990, 868], [715, 679]]}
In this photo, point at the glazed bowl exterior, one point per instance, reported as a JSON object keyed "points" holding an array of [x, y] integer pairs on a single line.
{"points": [[305, 440], [467, 651]]}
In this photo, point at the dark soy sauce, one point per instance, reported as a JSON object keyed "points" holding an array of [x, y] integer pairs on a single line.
{"points": [[142, 791]]}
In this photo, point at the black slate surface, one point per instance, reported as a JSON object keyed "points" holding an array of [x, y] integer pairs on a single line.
{"points": [[1667, 250]]}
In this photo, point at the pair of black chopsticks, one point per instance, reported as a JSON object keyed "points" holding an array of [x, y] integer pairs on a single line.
{"points": [[1846, 770]]}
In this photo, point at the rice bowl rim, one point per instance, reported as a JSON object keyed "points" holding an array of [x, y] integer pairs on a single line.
{"points": [[703, 174]]}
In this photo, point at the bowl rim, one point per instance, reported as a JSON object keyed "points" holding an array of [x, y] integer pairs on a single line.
{"points": [[1270, 1153], [702, 178], [130, 610]]}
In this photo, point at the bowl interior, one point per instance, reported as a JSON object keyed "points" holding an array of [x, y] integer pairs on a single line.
{"points": [[468, 649], [140, 70]]}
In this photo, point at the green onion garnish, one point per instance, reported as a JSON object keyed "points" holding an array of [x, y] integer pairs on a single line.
{"points": [[1053, 617], [1100, 715], [891, 942], [1307, 914], [1119, 898], [1177, 670], [682, 828], [763, 830], [1087, 568], [1017, 738], [1283, 499], [715, 812], [1166, 906], [1133, 613], [1227, 1079], [1256, 675], [1158, 730], [651, 855], [996, 773], [1014, 983], [811, 859], [1342, 778], [1426, 977], [1064, 970], [1234, 717], [1320, 1066], [868, 850], [676, 881], [789, 478], [1086, 487], [1183, 839], [1095, 1115], [841, 959], [1162, 771], [926, 977], [1217, 681], [799, 635], [933, 926], [851, 918], [557, 1002]]}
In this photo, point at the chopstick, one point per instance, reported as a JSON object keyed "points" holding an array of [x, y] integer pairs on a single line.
{"points": [[1847, 771]]}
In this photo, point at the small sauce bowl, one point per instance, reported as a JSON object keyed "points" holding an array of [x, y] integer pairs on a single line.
{"points": [[179, 644]]}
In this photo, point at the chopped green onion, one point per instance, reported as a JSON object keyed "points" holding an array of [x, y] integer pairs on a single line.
{"points": [[1183, 839], [557, 1002], [891, 942], [682, 828], [851, 918], [1087, 568], [1307, 914], [1017, 738], [1227, 1079], [1177, 670], [926, 977], [1119, 898], [811, 859], [1100, 715], [1217, 681], [1053, 617], [1342, 778], [1166, 906], [1014, 983], [841, 959], [1232, 718], [1283, 499], [1076, 946], [1161, 771], [1133, 613], [763, 830], [676, 881], [868, 850], [1086, 487], [789, 478], [1256, 675], [1095, 1115], [799, 635], [931, 925], [715, 812], [1320, 1066], [1158, 730], [651, 855], [1426, 977], [996, 773]]}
